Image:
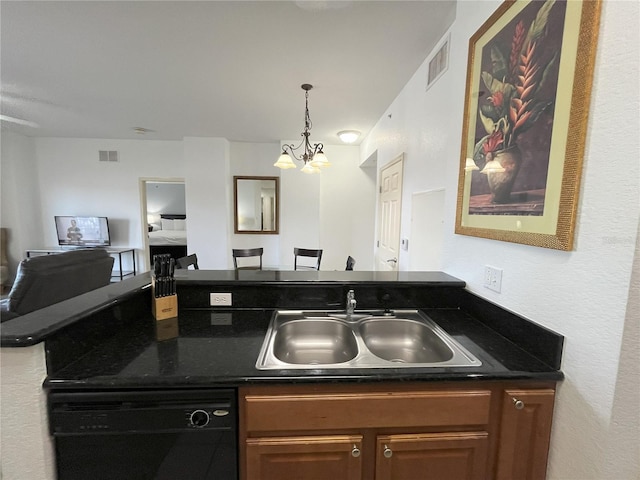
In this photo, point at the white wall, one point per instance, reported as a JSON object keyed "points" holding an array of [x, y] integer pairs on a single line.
{"points": [[44, 177], [334, 210], [20, 206], [166, 198], [71, 181], [27, 447], [347, 210], [581, 294], [208, 195], [256, 159]]}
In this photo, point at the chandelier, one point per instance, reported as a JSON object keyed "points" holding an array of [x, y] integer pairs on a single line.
{"points": [[312, 156]]}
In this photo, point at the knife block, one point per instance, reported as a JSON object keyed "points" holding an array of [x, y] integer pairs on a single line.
{"points": [[163, 307], [167, 329]]}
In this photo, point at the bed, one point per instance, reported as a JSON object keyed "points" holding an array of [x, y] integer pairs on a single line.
{"points": [[169, 235]]}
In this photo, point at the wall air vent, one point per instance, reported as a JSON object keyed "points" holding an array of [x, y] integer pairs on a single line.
{"points": [[439, 62], [108, 155]]}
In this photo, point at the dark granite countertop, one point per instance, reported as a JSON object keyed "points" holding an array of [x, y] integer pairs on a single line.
{"points": [[37, 326], [221, 349], [321, 277], [108, 339]]}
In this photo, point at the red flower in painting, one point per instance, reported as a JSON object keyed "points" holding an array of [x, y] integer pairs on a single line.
{"points": [[497, 99], [493, 142]]}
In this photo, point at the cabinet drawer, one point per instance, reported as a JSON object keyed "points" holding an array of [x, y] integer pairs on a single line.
{"points": [[366, 410]]}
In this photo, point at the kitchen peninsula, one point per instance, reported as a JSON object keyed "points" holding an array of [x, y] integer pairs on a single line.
{"points": [[107, 341]]}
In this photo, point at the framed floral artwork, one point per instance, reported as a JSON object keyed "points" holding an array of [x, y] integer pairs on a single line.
{"points": [[529, 77]]}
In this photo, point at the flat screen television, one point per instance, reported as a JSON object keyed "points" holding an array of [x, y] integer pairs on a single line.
{"points": [[83, 231]]}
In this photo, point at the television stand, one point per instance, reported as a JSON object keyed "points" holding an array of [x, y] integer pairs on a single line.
{"points": [[116, 252]]}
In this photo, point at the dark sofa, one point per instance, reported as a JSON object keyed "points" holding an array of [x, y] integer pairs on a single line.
{"points": [[48, 279]]}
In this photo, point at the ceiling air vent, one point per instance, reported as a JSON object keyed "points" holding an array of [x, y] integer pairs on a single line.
{"points": [[108, 155], [439, 62]]}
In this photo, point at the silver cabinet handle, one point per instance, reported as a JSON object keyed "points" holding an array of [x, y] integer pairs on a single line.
{"points": [[394, 260], [387, 452], [355, 451], [519, 404]]}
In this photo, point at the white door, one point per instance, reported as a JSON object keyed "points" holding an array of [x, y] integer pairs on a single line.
{"points": [[389, 212]]}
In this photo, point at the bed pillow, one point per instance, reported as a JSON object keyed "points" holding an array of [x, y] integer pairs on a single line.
{"points": [[179, 224], [155, 227], [167, 224]]}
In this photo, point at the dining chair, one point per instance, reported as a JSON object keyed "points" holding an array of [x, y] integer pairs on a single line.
{"points": [[184, 262], [350, 262], [247, 252], [305, 252]]}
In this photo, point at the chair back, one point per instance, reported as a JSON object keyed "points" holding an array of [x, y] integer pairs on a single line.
{"points": [[350, 262], [305, 252], [247, 252], [184, 262]]}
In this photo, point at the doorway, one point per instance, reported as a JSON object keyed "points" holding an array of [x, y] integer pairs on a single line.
{"points": [[389, 215], [163, 214]]}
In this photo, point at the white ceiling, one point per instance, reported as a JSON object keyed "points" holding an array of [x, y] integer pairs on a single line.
{"points": [[232, 69]]}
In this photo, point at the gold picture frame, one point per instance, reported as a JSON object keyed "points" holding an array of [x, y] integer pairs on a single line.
{"points": [[528, 89]]}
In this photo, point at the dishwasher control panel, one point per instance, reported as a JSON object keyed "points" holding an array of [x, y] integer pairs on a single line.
{"points": [[84, 413]]}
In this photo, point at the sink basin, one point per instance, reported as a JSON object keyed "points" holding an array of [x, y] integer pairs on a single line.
{"points": [[315, 341], [404, 341], [334, 340]]}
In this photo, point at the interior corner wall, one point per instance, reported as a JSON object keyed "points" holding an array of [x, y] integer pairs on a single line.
{"points": [[581, 294], [347, 210], [208, 196], [20, 196]]}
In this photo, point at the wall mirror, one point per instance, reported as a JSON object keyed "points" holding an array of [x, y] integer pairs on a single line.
{"points": [[256, 205]]}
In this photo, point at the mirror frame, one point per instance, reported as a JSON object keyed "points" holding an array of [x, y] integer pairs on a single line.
{"points": [[235, 207]]}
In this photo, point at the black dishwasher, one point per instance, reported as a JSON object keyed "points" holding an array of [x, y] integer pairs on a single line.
{"points": [[145, 435]]}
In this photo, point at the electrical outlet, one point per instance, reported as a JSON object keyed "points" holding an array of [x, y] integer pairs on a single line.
{"points": [[493, 278], [221, 318], [220, 299], [487, 276]]}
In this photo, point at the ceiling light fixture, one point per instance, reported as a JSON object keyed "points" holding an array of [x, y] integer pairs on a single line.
{"points": [[142, 130], [349, 136], [313, 157]]}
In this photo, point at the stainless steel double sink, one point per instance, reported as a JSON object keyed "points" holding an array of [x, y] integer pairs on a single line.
{"points": [[334, 340]]}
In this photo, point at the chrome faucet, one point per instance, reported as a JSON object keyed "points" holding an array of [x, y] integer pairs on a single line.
{"points": [[351, 302]]}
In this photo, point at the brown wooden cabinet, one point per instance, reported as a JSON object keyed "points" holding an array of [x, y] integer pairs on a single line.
{"points": [[335, 457], [454, 431], [439, 456], [524, 434]]}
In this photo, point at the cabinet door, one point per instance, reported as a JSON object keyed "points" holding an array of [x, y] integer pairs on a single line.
{"points": [[438, 456], [335, 457], [524, 434]]}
